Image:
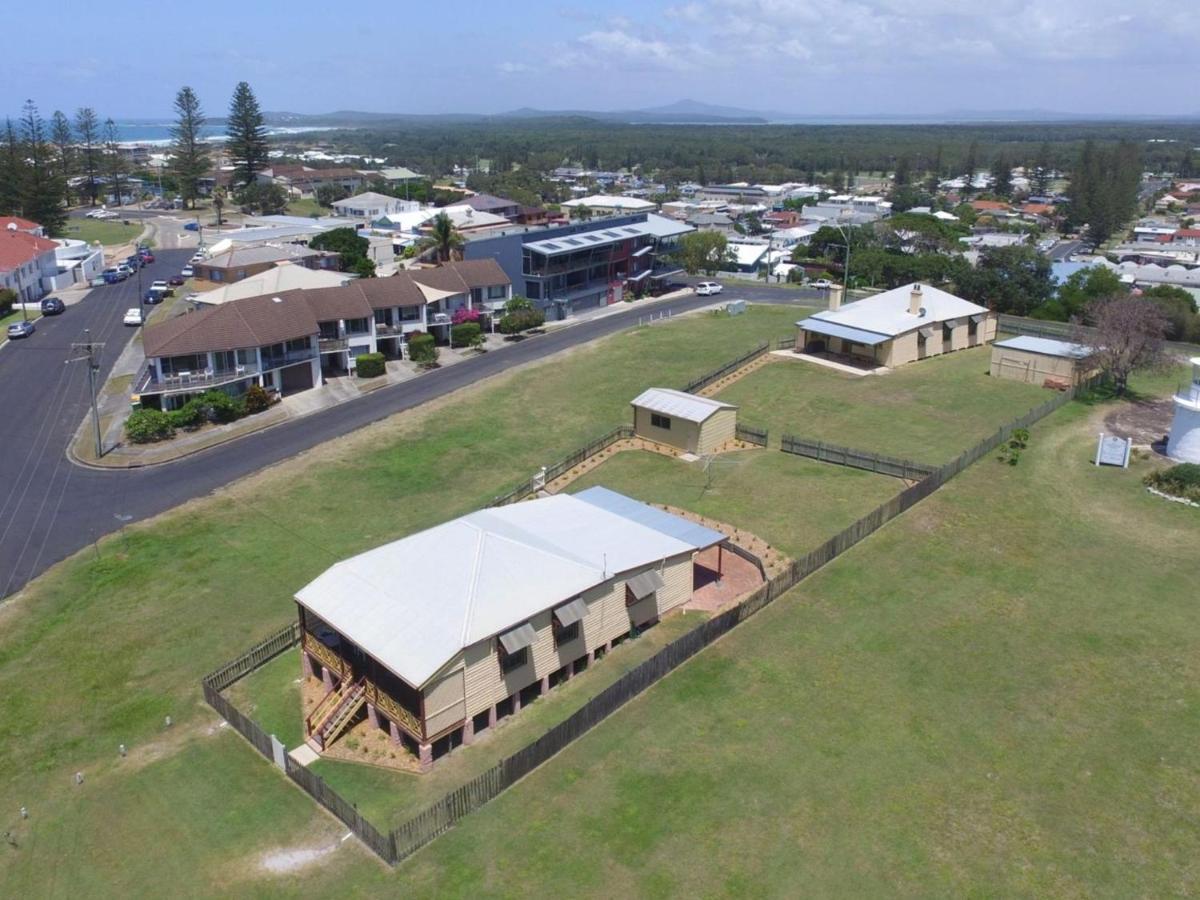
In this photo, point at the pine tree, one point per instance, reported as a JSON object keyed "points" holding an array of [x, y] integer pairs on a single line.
{"points": [[64, 144], [190, 159], [1001, 177], [12, 171], [1041, 170], [971, 163], [43, 188], [116, 169], [903, 172], [247, 138], [87, 129]]}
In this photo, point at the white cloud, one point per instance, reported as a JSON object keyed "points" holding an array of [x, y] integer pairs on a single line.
{"points": [[514, 68]]}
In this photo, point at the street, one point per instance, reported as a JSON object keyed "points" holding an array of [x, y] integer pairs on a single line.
{"points": [[50, 508]]}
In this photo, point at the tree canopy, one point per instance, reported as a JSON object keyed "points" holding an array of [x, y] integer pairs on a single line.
{"points": [[246, 139]]}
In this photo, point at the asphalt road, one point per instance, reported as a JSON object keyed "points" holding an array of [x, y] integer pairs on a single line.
{"points": [[1063, 250], [50, 507]]}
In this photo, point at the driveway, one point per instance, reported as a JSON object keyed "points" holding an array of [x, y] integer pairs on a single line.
{"points": [[51, 508]]}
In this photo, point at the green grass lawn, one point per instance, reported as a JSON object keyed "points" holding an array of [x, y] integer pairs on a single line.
{"points": [[109, 232], [927, 411], [994, 696], [101, 648], [308, 207], [793, 503]]}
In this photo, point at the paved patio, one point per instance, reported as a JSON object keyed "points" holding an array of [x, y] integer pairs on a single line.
{"points": [[713, 592]]}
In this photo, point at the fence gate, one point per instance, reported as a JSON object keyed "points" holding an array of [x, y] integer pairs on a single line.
{"points": [[539, 479]]}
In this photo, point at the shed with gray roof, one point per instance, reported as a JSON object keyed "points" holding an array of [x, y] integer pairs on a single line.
{"points": [[685, 421]]}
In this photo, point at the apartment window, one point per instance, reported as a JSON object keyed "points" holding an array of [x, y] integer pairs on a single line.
{"points": [[356, 326], [659, 421], [511, 661], [564, 634], [497, 292], [247, 357], [381, 317], [297, 344]]}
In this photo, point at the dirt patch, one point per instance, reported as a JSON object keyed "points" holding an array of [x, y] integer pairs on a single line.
{"points": [[1146, 422], [292, 859]]}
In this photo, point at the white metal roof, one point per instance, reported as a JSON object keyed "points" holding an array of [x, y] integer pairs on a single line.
{"points": [[748, 254], [888, 314], [679, 404], [603, 233], [611, 201], [416, 602], [1045, 346]]}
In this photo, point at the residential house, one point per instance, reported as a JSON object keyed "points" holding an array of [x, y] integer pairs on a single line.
{"points": [[302, 182], [28, 262], [608, 204], [16, 223], [393, 176], [242, 262], [372, 206], [78, 262], [283, 277], [287, 342], [441, 634], [1186, 237], [568, 268], [712, 221], [739, 192], [496, 206], [896, 327]]}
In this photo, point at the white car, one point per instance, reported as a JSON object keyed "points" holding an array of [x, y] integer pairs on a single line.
{"points": [[187, 272], [198, 257], [822, 284], [133, 316], [708, 288]]}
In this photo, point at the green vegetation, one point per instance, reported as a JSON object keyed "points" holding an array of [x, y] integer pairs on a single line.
{"points": [[351, 248], [145, 426], [370, 365], [109, 232], [1182, 480], [989, 697], [422, 349], [926, 411], [307, 207]]}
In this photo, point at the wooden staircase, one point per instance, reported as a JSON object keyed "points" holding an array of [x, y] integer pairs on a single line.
{"points": [[334, 713]]}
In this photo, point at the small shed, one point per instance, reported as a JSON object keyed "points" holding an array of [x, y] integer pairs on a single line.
{"points": [[694, 424], [1043, 361]]}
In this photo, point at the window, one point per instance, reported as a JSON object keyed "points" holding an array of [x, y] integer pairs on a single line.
{"points": [[564, 634], [356, 326], [659, 421], [511, 661], [497, 292]]}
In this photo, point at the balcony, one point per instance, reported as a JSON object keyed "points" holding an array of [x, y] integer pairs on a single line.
{"points": [[333, 345], [284, 359], [149, 383]]}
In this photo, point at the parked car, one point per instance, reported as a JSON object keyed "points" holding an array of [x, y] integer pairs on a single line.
{"points": [[822, 284], [112, 276], [125, 269], [154, 297], [192, 226], [167, 290], [20, 330], [197, 257], [176, 280], [708, 288], [146, 255], [133, 316], [52, 306], [187, 272]]}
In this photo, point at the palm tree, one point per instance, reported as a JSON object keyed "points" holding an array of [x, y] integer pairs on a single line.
{"points": [[443, 238]]}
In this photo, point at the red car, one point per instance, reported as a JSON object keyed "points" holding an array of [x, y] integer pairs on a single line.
{"points": [[175, 280], [147, 256]]}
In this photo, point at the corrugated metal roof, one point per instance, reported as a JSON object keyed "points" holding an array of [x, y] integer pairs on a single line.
{"points": [[1045, 346], [697, 536], [679, 404], [833, 329], [416, 602]]}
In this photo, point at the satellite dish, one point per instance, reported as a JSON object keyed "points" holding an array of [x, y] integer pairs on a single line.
{"points": [[922, 312]]}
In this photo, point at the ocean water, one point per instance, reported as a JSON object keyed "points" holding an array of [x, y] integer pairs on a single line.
{"points": [[158, 131]]}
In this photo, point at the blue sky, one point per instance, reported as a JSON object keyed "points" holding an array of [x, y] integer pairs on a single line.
{"points": [[827, 57]]}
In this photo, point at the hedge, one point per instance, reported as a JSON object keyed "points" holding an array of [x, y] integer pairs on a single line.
{"points": [[144, 426], [256, 399], [422, 349], [1182, 480], [465, 334], [521, 320], [370, 365]]}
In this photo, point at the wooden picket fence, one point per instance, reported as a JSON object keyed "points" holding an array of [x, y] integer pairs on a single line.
{"points": [[699, 384], [530, 486], [857, 459], [751, 435]]}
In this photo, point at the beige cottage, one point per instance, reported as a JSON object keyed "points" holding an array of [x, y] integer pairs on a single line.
{"points": [[1042, 361], [896, 327], [442, 633], [694, 424]]}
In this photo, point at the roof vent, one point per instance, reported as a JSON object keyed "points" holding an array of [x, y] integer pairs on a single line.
{"points": [[11, 226], [276, 299]]}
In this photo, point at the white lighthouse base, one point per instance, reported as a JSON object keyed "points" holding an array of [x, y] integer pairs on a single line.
{"points": [[1183, 443]]}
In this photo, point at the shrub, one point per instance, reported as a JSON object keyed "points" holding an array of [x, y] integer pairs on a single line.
{"points": [[370, 365], [256, 399], [144, 426], [466, 334], [7, 298], [422, 349], [1182, 480], [190, 415], [222, 407], [521, 320], [462, 314]]}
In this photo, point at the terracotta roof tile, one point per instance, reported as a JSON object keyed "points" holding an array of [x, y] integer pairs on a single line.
{"points": [[20, 247]]}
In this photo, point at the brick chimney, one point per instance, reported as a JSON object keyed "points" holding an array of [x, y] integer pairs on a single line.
{"points": [[915, 300], [835, 297]]}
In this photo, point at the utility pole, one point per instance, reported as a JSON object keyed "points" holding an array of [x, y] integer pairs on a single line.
{"points": [[90, 351]]}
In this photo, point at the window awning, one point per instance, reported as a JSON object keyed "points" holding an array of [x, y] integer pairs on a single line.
{"points": [[639, 276], [978, 317], [518, 639], [951, 323], [572, 612], [926, 332], [647, 249], [645, 584]]}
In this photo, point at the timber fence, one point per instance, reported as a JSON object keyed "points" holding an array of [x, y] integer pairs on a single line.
{"points": [[750, 434], [425, 826], [537, 482], [856, 459], [699, 384], [786, 343]]}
